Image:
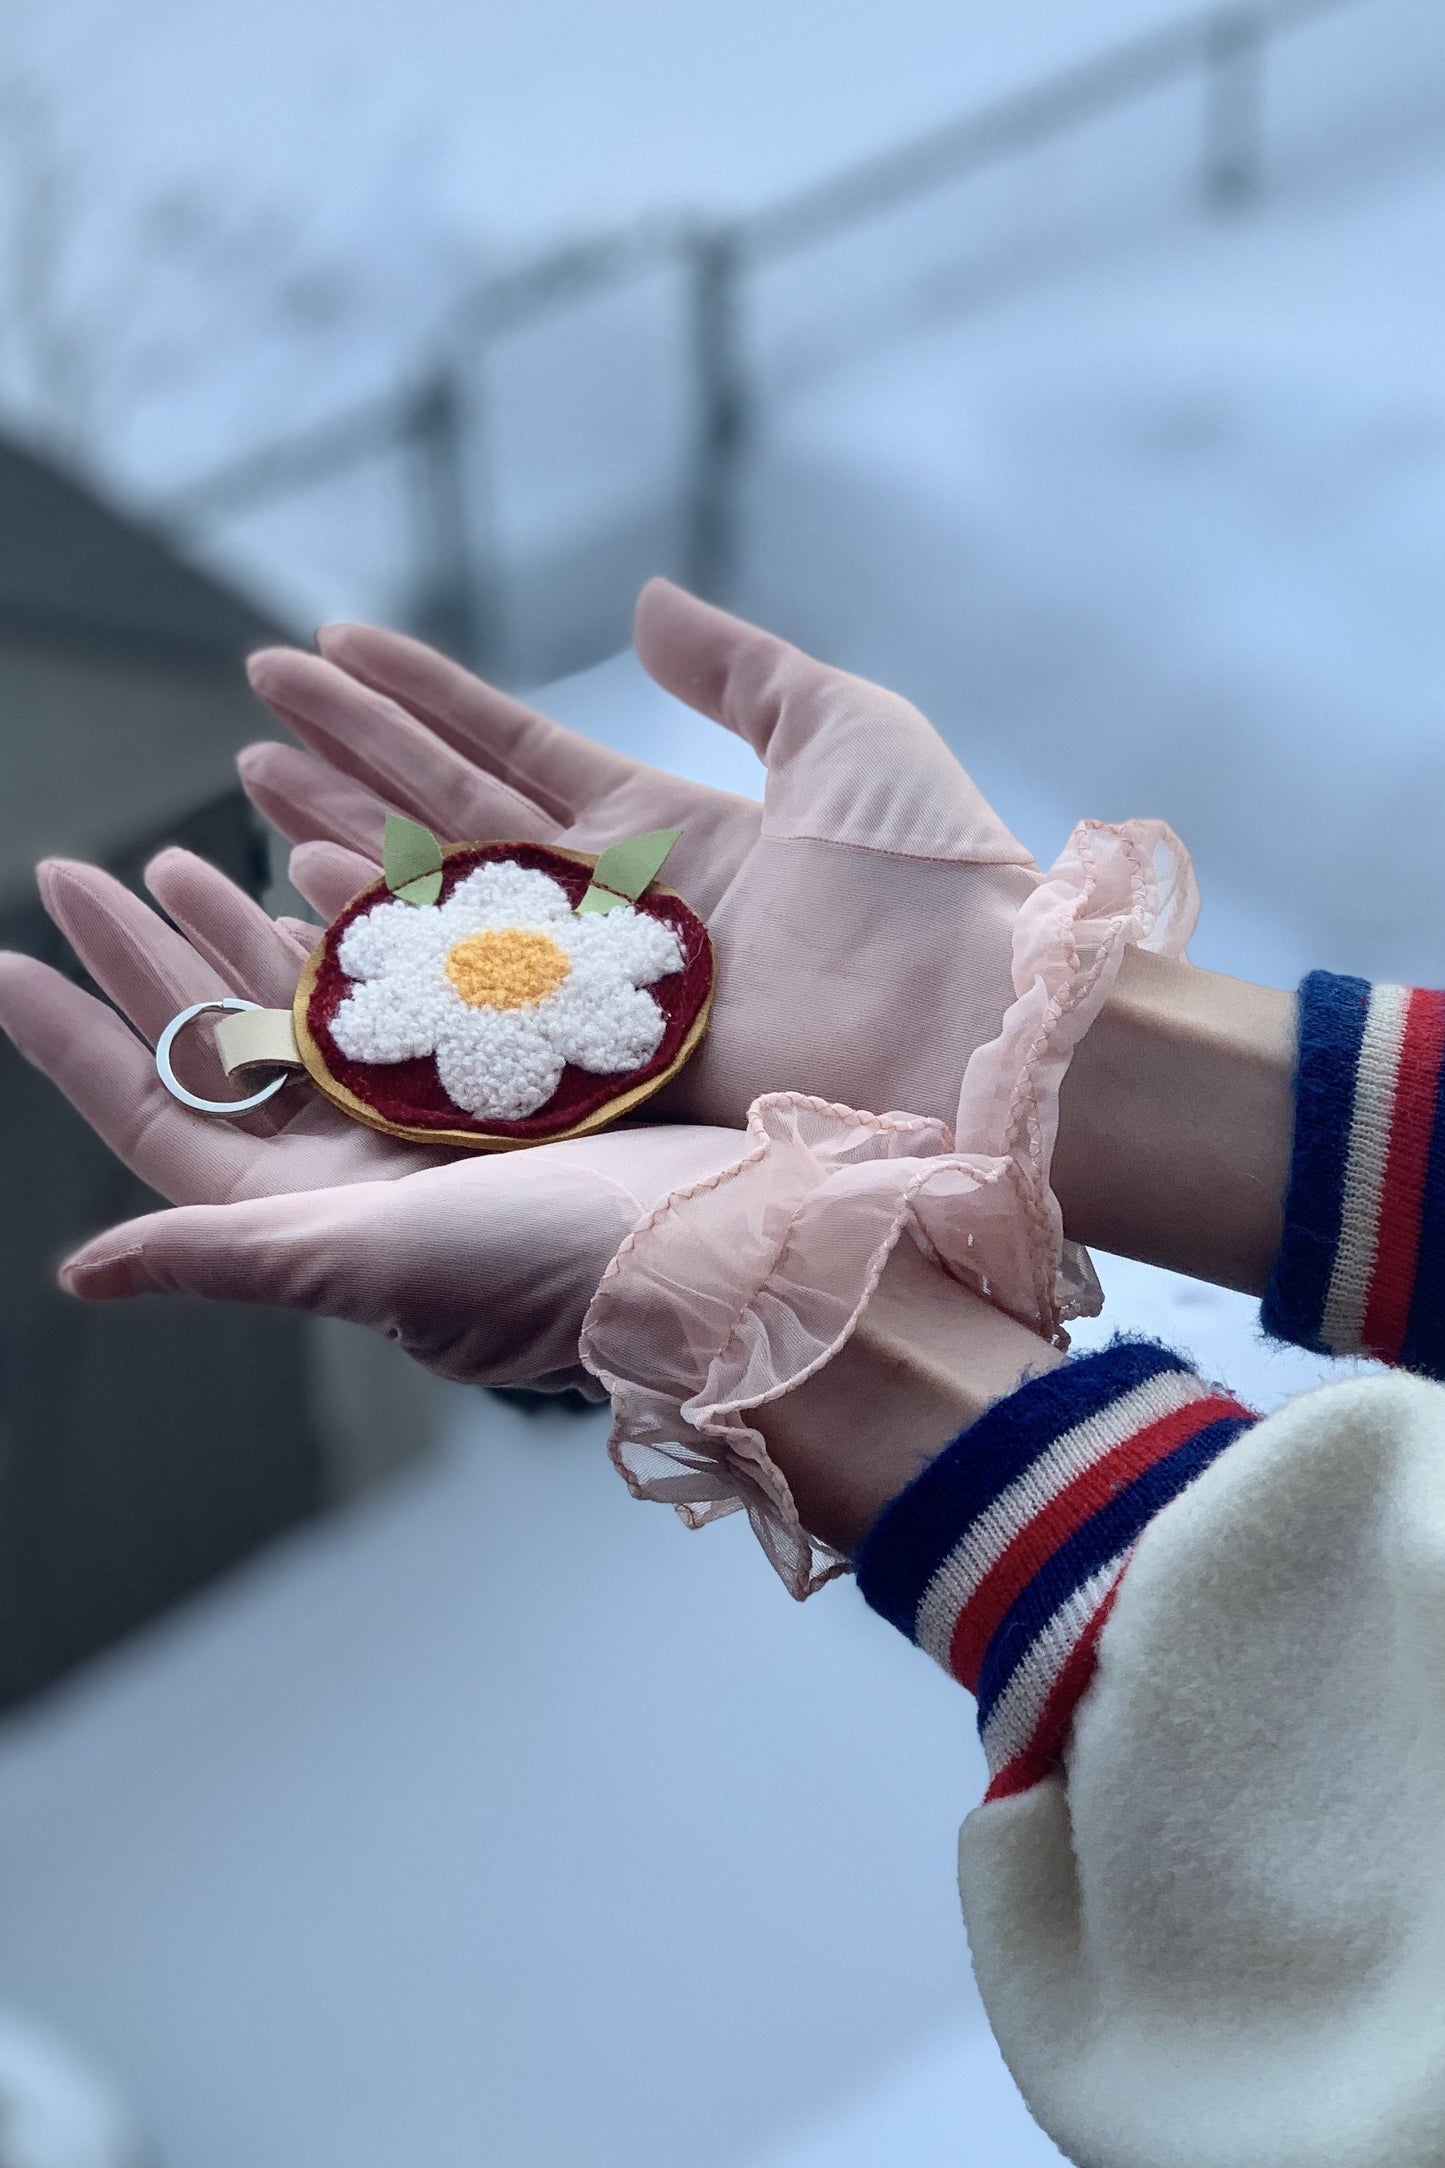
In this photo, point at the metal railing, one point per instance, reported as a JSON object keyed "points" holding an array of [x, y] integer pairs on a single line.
{"points": [[1224, 48]]}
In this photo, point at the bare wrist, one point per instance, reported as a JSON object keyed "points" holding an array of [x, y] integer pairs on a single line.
{"points": [[1175, 1123], [927, 1358]]}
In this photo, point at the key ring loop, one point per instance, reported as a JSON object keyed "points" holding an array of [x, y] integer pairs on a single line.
{"points": [[178, 1090]]}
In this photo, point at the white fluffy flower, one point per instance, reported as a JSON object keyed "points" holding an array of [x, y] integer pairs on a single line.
{"points": [[504, 984]]}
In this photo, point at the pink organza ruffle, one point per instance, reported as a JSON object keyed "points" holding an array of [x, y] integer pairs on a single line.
{"points": [[1110, 889], [734, 1291]]}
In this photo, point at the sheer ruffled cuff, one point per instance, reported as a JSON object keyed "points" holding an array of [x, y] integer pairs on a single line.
{"points": [[733, 1292], [1110, 889]]}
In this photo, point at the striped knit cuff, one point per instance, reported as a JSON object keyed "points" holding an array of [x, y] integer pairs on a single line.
{"points": [[1003, 1558], [1361, 1268]]}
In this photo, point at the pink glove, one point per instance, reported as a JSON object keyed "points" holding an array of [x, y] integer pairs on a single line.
{"points": [[481, 1267], [869, 918]]}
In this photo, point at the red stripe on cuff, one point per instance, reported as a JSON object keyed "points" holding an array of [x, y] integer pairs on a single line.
{"points": [[1045, 1750], [1064, 1515], [1392, 1282]]}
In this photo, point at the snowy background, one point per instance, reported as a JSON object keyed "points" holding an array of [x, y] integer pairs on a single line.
{"points": [[499, 1821]]}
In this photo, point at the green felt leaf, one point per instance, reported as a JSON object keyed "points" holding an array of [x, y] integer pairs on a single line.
{"points": [[424, 889], [411, 860], [600, 899], [625, 869]]}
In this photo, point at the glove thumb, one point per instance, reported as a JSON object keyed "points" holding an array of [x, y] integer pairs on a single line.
{"points": [[295, 1252], [847, 762]]}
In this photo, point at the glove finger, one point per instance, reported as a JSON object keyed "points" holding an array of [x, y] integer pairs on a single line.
{"points": [[147, 968], [310, 802], [847, 760], [559, 771], [303, 931], [110, 1079], [731, 671], [151, 972], [298, 1252], [366, 735], [323, 1252], [328, 876], [255, 954]]}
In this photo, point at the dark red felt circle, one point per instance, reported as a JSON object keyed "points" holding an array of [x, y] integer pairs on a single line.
{"points": [[409, 1095]]}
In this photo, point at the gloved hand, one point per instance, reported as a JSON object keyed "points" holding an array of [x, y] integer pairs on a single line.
{"points": [[482, 1267], [699, 1273], [863, 915]]}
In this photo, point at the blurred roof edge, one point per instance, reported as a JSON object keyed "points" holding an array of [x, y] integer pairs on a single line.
{"points": [[78, 570]]}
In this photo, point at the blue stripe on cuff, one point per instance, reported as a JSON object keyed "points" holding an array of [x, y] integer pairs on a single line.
{"points": [[1332, 1015], [1105, 1536], [915, 1532]]}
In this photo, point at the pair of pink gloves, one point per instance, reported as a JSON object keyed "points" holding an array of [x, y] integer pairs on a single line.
{"points": [[884, 943]]}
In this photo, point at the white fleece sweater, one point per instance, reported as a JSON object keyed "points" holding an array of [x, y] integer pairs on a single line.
{"points": [[1217, 1939]]}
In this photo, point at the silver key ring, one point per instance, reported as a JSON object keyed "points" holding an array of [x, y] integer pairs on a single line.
{"points": [[178, 1090]]}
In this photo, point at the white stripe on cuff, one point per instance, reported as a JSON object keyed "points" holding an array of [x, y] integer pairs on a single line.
{"points": [[983, 1544], [1376, 1080], [1014, 1718]]}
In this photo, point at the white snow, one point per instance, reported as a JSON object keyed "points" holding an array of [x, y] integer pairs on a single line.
{"points": [[524, 124], [1169, 542], [500, 1821], [362, 168]]}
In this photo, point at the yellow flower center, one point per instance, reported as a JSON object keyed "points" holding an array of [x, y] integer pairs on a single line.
{"points": [[506, 970]]}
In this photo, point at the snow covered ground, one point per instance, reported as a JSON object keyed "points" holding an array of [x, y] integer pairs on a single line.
{"points": [[1170, 542], [362, 167], [523, 123]]}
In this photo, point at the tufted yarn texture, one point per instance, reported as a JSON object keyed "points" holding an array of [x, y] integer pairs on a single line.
{"points": [[497, 1006]]}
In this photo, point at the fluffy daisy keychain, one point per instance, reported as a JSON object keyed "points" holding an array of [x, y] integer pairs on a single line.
{"points": [[489, 996]]}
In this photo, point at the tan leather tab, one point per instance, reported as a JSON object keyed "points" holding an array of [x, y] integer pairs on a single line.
{"points": [[249, 1039]]}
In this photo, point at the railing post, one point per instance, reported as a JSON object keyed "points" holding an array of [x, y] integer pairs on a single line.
{"points": [[715, 267], [1233, 108], [447, 605]]}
